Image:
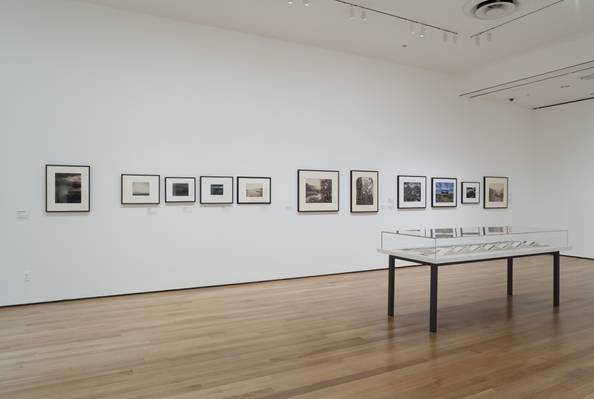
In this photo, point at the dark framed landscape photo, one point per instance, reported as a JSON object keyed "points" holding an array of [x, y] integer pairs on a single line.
{"points": [[364, 191], [254, 190], [67, 188], [444, 192], [317, 190], [470, 192], [411, 192], [495, 192], [141, 189], [216, 189], [180, 189]]}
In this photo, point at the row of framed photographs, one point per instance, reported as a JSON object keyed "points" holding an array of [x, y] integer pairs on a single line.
{"points": [[318, 191], [444, 192], [141, 189], [68, 190]]}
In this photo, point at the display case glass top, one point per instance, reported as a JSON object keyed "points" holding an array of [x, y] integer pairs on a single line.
{"points": [[464, 244]]}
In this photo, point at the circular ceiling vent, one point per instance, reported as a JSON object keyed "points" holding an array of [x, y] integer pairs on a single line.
{"points": [[491, 9]]}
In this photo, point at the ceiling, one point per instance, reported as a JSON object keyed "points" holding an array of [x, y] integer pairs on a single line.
{"points": [[564, 85], [327, 24]]}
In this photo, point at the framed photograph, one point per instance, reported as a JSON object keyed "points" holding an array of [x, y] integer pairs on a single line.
{"points": [[317, 190], [216, 189], [471, 192], [495, 194], [447, 232], [141, 189], [253, 190], [67, 188], [411, 192], [180, 189], [364, 191], [444, 192]]}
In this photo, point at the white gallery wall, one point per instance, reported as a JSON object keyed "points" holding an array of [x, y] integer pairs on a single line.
{"points": [[566, 183], [129, 93]]}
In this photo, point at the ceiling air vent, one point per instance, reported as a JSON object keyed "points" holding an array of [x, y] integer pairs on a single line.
{"points": [[491, 9]]}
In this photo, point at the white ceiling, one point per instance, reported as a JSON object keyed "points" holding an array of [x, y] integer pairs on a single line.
{"points": [[326, 23], [560, 86]]}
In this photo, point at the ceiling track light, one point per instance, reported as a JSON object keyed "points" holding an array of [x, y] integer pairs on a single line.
{"points": [[489, 36], [306, 3], [290, 2], [454, 39], [477, 40], [445, 37], [413, 23]]}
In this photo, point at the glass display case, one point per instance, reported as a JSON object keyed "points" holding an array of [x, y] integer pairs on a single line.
{"points": [[463, 244]]}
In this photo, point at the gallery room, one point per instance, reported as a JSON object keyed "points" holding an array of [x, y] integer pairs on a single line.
{"points": [[301, 199]]}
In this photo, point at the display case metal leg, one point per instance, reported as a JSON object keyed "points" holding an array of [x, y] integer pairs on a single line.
{"points": [[391, 284], [433, 300], [556, 277], [510, 276]]}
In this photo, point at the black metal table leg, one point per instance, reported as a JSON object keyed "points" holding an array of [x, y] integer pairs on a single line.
{"points": [[391, 284], [433, 300], [510, 276], [556, 277]]}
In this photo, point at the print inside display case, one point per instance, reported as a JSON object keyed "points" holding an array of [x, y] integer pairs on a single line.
{"points": [[460, 244]]}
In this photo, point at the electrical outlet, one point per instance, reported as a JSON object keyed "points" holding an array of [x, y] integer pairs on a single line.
{"points": [[27, 277]]}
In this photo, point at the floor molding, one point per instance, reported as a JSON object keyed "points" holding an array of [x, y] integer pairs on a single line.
{"points": [[223, 285]]}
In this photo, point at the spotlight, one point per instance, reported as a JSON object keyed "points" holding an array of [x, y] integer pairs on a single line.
{"points": [[445, 36], [364, 15], [352, 12], [422, 34], [489, 36], [454, 39], [412, 28], [290, 2], [477, 40], [306, 3]]}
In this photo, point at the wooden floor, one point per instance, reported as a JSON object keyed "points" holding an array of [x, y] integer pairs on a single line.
{"points": [[324, 337]]}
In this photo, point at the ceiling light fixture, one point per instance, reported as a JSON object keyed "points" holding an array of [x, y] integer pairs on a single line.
{"points": [[306, 3], [477, 40], [364, 15], [422, 34], [454, 39], [290, 2], [445, 37], [352, 12], [489, 36], [412, 28]]}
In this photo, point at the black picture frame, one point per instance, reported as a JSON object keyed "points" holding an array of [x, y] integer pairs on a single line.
{"points": [[433, 204], [299, 171], [217, 202], [238, 182], [376, 189], [179, 202], [462, 191], [88, 208], [485, 192], [398, 205], [122, 202]]}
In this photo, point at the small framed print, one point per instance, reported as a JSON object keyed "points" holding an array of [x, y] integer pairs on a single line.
{"points": [[141, 189], [317, 190], [180, 189], [471, 192], [254, 190], [412, 192], [496, 192], [216, 189], [364, 191], [67, 188], [444, 192]]}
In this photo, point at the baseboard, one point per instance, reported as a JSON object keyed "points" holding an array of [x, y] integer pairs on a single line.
{"points": [[577, 257], [196, 287]]}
